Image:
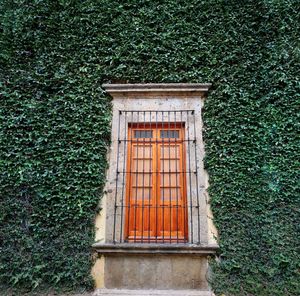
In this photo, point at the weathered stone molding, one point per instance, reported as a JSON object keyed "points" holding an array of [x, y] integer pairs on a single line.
{"points": [[157, 89], [177, 249]]}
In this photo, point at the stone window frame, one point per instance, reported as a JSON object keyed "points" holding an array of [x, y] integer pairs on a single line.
{"points": [[141, 97]]}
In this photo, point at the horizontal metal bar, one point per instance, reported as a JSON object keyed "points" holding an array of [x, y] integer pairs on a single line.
{"points": [[155, 111], [146, 141], [156, 172], [156, 207]]}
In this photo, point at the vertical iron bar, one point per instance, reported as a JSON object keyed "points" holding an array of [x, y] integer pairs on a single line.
{"points": [[170, 190], [123, 177], [137, 175], [163, 171], [157, 176], [197, 186], [176, 170], [143, 172], [185, 216], [117, 178], [150, 175], [190, 176], [130, 175]]}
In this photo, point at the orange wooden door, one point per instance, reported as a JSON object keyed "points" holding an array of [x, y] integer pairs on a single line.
{"points": [[140, 199], [156, 191]]}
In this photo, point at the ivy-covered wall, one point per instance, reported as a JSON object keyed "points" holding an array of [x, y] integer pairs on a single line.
{"points": [[55, 129]]}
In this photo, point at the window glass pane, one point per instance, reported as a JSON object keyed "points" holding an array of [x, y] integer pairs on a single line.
{"points": [[170, 151], [167, 194], [141, 194], [169, 134], [141, 180], [143, 133], [170, 166], [141, 165], [142, 151], [172, 179]]}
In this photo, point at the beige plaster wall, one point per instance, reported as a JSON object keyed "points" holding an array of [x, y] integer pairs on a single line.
{"points": [[98, 272]]}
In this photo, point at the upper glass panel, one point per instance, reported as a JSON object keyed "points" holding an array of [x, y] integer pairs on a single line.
{"points": [[167, 134], [143, 134]]}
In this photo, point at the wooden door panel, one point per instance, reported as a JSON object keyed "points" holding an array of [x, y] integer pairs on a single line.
{"points": [[170, 224], [140, 199], [141, 224], [170, 200], [155, 187]]}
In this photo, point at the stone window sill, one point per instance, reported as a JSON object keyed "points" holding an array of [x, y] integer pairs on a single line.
{"points": [[161, 249]]}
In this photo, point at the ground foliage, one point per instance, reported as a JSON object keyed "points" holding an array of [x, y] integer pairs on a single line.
{"points": [[55, 129]]}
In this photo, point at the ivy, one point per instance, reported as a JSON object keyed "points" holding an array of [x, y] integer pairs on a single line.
{"points": [[55, 129]]}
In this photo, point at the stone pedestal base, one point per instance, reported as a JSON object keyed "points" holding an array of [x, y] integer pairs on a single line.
{"points": [[155, 272], [147, 266]]}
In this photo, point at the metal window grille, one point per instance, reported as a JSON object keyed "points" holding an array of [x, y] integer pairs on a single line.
{"points": [[156, 193]]}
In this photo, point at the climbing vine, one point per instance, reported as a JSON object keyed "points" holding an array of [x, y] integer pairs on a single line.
{"points": [[55, 129]]}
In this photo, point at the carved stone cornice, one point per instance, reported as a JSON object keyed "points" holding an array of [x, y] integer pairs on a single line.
{"points": [[157, 89]]}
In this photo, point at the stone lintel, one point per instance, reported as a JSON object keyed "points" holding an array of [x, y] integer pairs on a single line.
{"points": [[158, 89], [176, 249]]}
